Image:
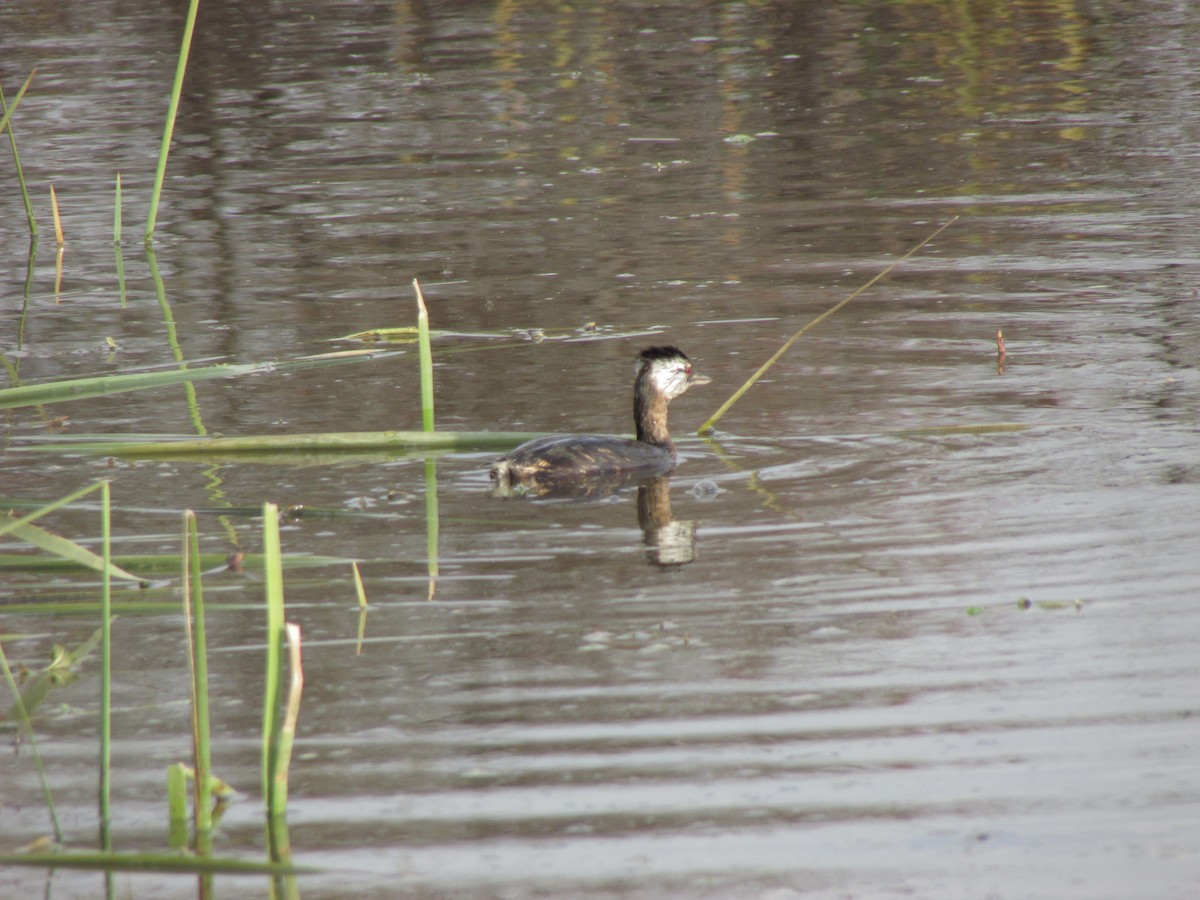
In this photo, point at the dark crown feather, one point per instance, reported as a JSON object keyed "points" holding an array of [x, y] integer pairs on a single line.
{"points": [[666, 352]]}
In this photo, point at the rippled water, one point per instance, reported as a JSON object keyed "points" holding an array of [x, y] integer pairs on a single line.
{"points": [[906, 657]]}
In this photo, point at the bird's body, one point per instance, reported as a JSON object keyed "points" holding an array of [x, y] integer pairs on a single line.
{"points": [[663, 373]]}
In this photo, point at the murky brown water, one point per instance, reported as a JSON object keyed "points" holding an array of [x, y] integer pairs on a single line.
{"points": [[840, 694]]}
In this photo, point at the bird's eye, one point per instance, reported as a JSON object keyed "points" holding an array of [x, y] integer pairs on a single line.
{"points": [[687, 370]]}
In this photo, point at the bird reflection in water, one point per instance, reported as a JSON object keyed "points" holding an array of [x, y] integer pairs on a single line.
{"points": [[592, 465], [669, 542]]}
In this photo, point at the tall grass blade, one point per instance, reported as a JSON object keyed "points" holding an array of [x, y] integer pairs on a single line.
{"points": [[167, 562], [104, 385], [291, 715], [193, 599], [821, 318], [262, 445], [281, 845], [69, 550], [149, 862], [58, 272], [120, 266], [198, 668], [172, 111], [48, 508], [62, 246], [273, 691], [426, 354], [58, 230], [117, 212], [12, 143], [361, 634], [22, 712], [361, 593], [9, 110], [26, 294], [105, 679], [120, 257], [61, 670], [177, 822]]}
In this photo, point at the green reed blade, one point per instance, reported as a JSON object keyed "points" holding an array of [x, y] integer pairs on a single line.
{"points": [[273, 691], [426, 355], [58, 234], [287, 729], [11, 524], [331, 442], [361, 632], [130, 607], [105, 385], [172, 111], [69, 550], [23, 713], [278, 840], [150, 862], [821, 318], [120, 266], [61, 670], [105, 672], [359, 590], [177, 824], [193, 600], [117, 212], [12, 142], [26, 296], [169, 562], [9, 110]]}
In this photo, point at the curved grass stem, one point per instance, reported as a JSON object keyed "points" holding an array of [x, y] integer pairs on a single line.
{"points": [[817, 321]]}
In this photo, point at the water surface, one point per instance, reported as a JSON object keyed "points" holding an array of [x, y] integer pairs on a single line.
{"points": [[905, 657]]}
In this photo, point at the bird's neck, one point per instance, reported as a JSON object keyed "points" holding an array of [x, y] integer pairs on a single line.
{"points": [[650, 417]]}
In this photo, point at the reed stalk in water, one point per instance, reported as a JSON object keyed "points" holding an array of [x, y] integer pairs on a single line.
{"points": [[117, 212], [426, 355], [22, 712], [106, 678], [172, 112], [431, 498], [194, 625], [120, 259], [58, 230], [361, 593], [818, 320], [273, 690], [5, 115]]}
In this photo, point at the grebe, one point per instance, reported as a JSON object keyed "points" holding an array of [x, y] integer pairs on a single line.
{"points": [[663, 373]]}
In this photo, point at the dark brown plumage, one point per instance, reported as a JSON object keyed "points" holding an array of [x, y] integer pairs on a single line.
{"points": [[663, 373]]}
